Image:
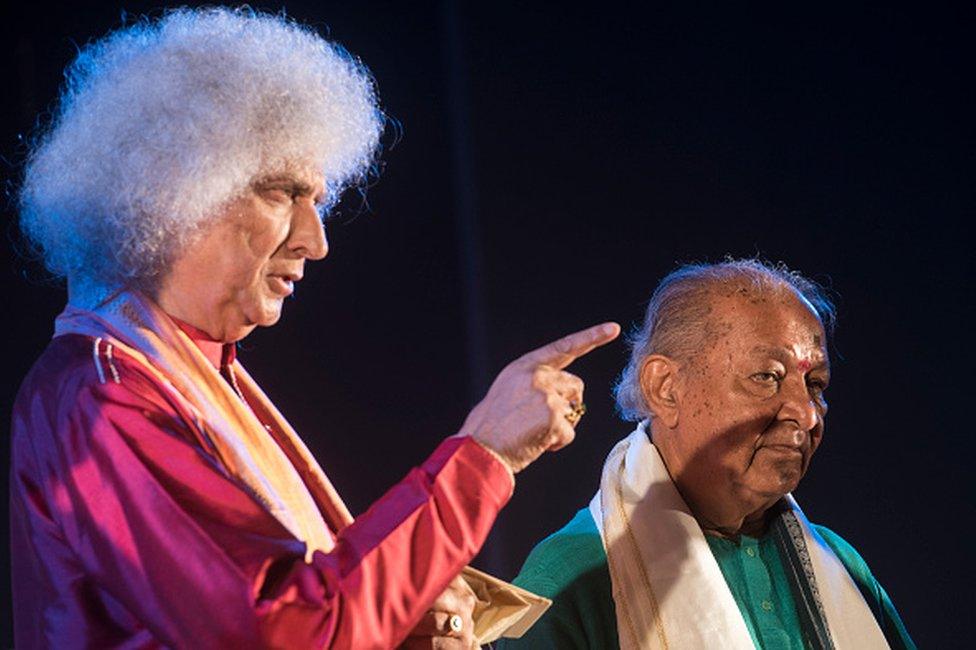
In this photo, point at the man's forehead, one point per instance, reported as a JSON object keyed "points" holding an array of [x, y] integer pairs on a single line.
{"points": [[806, 357], [750, 304], [303, 173], [303, 179], [769, 321]]}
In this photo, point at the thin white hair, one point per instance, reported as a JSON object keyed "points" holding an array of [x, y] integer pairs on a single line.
{"points": [[162, 122], [678, 323]]}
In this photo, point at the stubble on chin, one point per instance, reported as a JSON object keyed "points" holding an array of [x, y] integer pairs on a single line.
{"points": [[780, 476], [768, 477]]}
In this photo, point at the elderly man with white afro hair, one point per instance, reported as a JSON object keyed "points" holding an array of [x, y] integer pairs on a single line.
{"points": [[162, 123], [158, 497]]}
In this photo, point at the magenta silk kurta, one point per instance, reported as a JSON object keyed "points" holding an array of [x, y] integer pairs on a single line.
{"points": [[127, 533]]}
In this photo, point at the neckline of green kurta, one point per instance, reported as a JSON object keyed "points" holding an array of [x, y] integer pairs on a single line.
{"points": [[753, 570]]}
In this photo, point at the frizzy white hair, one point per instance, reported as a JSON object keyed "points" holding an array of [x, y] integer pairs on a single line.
{"points": [[162, 122], [678, 320]]}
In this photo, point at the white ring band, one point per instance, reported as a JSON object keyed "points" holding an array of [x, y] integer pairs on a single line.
{"points": [[456, 623]]}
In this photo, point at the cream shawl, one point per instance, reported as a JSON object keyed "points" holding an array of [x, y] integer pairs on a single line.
{"points": [[668, 589]]}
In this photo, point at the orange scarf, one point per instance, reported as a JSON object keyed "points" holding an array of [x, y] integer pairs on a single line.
{"points": [[133, 323]]}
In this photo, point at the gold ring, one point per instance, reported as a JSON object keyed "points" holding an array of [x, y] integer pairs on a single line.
{"points": [[579, 409], [456, 623]]}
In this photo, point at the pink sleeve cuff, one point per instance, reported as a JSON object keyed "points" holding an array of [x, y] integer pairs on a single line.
{"points": [[485, 469]]}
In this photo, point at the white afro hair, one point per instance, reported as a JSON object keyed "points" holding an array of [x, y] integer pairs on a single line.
{"points": [[162, 122]]}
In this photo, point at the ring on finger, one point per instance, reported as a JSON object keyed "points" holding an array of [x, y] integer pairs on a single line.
{"points": [[455, 623], [578, 409]]}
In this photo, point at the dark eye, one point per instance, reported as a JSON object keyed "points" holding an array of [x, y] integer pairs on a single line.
{"points": [[766, 377], [817, 385]]}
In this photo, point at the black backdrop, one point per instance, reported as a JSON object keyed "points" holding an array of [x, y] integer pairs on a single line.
{"points": [[554, 163]]}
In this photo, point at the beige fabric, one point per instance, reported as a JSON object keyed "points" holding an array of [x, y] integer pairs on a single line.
{"points": [[133, 323], [502, 609], [668, 589], [849, 619]]}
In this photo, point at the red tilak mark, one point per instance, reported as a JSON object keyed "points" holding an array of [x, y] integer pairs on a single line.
{"points": [[804, 366]]}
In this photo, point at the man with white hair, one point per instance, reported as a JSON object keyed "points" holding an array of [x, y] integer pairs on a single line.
{"points": [[158, 498], [693, 539]]}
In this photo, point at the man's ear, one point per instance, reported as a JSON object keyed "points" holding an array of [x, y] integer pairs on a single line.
{"points": [[658, 381]]}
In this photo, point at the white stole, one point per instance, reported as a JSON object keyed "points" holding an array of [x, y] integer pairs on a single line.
{"points": [[668, 589]]}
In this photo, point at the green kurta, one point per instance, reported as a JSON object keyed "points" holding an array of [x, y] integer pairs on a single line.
{"points": [[570, 567]]}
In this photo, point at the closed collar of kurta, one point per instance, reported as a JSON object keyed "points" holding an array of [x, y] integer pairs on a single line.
{"points": [[218, 353]]}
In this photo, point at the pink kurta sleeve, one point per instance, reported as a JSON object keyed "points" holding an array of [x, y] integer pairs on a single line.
{"points": [[126, 532]]}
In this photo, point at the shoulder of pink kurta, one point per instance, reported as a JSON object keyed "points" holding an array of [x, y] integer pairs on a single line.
{"points": [[112, 498], [71, 411], [125, 528]]}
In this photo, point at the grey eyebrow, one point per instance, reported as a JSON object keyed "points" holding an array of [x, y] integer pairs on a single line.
{"points": [[298, 186], [777, 353]]}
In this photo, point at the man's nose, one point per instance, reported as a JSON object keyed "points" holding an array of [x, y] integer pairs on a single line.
{"points": [[307, 237], [799, 405]]}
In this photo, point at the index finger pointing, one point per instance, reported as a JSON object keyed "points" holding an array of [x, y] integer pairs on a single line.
{"points": [[564, 351]]}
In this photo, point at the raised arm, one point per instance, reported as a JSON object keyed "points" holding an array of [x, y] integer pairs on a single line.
{"points": [[114, 494]]}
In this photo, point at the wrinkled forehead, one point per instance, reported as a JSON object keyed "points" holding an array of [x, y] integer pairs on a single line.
{"points": [[770, 319], [303, 174], [304, 168]]}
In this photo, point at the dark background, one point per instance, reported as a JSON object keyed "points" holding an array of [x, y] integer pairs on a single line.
{"points": [[554, 164]]}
